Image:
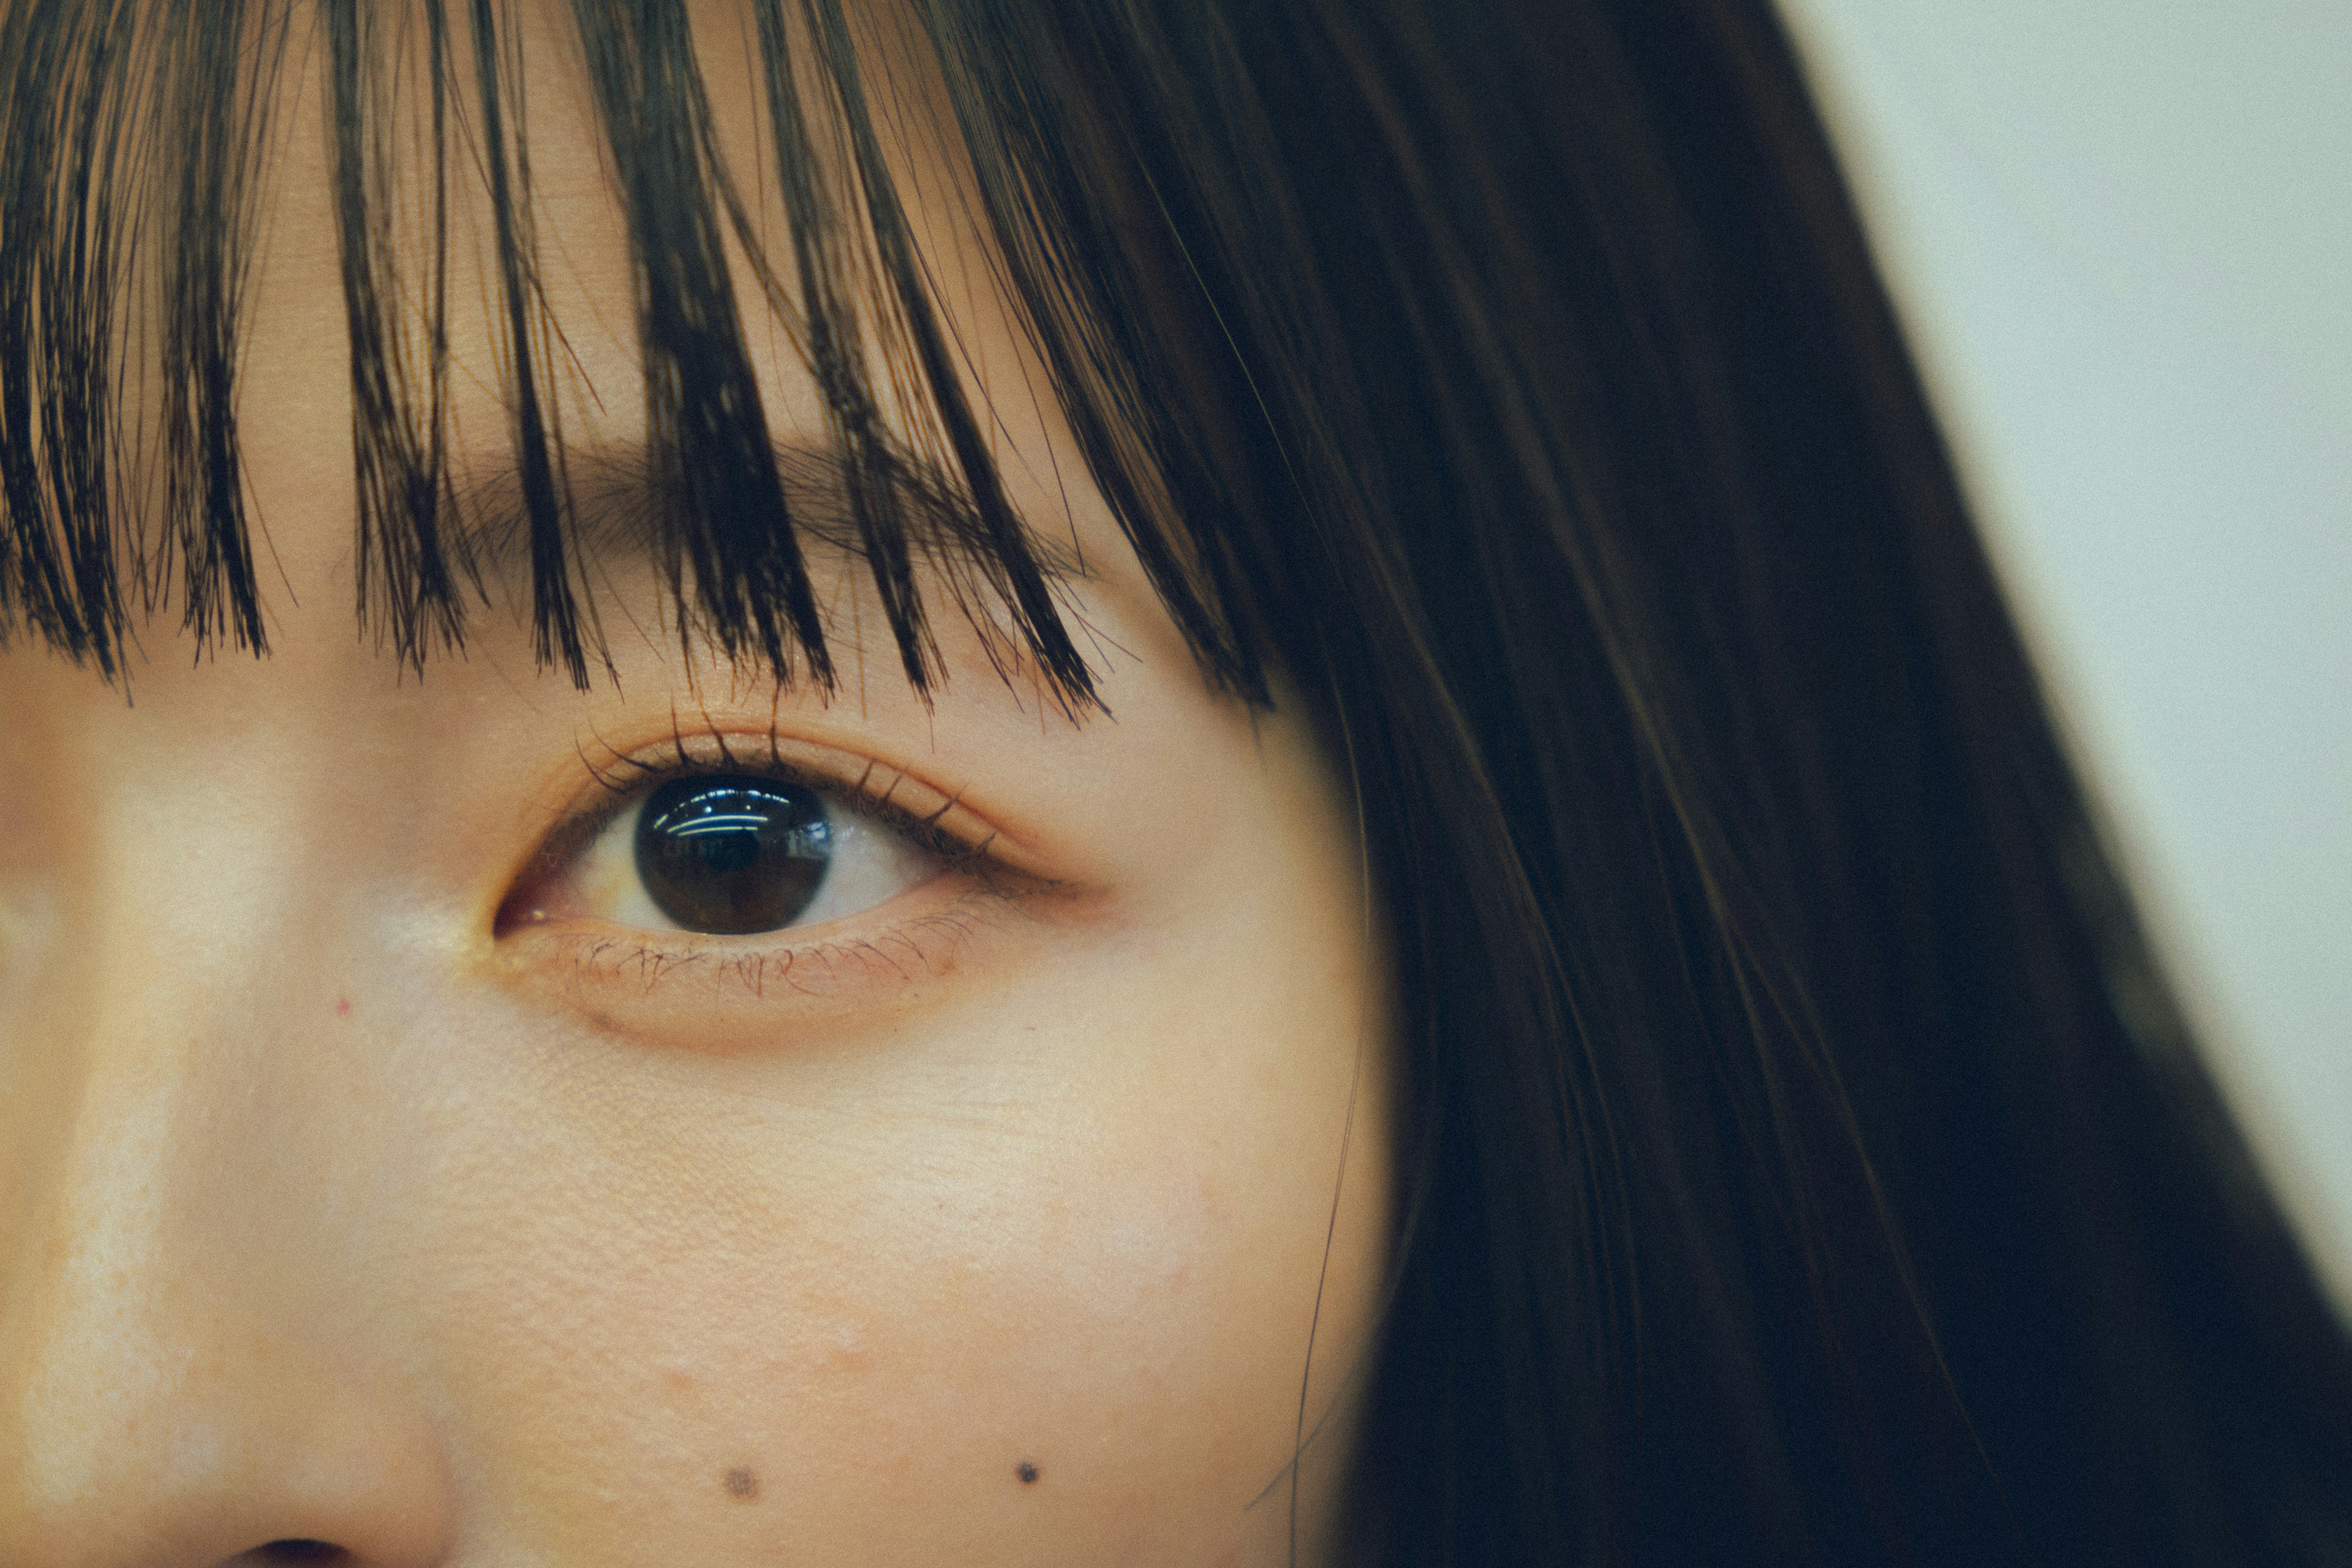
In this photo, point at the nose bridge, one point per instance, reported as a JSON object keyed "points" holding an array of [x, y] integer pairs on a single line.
{"points": [[148, 1073], [103, 1337], [169, 1391]]}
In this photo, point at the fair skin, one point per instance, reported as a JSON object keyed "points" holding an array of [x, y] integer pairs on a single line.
{"points": [[983, 1220]]}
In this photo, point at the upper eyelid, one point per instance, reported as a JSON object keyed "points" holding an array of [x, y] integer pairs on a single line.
{"points": [[874, 788]]}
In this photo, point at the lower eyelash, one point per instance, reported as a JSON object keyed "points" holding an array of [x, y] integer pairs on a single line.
{"points": [[920, 944]]}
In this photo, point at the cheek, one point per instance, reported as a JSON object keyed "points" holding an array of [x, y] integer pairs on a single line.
{"points": [[848, 1310]]}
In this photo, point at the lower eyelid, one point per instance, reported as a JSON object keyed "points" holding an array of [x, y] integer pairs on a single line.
{"points": [[722, 994]]}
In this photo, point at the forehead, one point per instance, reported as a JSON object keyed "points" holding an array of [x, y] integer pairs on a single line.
{"points": [[314, 395], [297, 381]]}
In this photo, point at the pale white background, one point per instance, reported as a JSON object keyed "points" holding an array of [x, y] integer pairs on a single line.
{"points": [[2121, 234]]}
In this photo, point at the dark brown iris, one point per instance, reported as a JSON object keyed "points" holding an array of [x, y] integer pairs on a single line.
{"points": [[730, 855]]}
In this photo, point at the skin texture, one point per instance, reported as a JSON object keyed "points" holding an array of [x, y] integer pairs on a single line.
{"points": [[985, 1225]]}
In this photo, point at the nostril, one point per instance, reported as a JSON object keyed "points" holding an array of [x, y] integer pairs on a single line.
{"points": [[298, 1551]]}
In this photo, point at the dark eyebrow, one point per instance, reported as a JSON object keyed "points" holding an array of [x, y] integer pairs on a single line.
{"points": [[619, 502]]}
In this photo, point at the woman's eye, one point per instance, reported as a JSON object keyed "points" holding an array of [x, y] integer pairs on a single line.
{"points": [[733, 855]]}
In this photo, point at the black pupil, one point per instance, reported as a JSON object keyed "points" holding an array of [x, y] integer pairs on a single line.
{"points": [[730, 855]]}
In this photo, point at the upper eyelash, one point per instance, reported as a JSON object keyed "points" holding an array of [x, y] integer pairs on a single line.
{"points": [[626, 776]]}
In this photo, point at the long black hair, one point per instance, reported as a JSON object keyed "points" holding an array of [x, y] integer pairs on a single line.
{"points": [[1803, 1161]]}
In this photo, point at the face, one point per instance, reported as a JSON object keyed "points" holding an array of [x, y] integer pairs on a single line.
{"points": [[469, 1121]]}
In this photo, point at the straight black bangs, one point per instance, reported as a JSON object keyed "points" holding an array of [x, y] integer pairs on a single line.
{"points": [[137, 139]]}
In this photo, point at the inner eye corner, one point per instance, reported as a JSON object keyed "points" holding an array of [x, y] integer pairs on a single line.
{"points": [[516, 913]]}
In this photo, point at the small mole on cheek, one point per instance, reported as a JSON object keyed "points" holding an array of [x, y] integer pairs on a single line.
{"points": [[742, 1486], [1027, 1472]]}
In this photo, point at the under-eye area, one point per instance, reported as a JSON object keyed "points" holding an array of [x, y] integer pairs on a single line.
{"points": [[721, 991], [606, 963]]}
